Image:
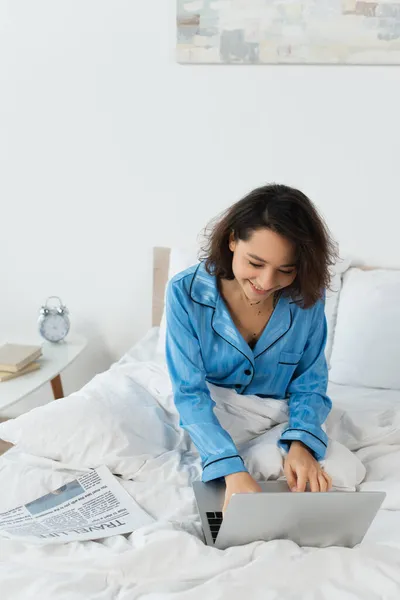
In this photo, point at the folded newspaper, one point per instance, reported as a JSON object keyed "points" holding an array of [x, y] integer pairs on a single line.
{"points": [[90, 507]]}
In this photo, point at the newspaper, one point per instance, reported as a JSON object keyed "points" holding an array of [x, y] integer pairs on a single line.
{"points": [[90, 507]]}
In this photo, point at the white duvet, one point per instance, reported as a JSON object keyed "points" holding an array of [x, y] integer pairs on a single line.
{"points": [[168, 560]]}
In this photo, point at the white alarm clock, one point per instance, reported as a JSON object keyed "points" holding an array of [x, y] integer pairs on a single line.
{"points": [[53, 321]]}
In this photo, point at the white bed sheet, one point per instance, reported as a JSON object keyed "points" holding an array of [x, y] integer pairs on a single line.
{"points": [[168, 560]]}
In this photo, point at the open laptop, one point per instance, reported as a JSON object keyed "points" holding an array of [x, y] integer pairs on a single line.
{"points": [[310, 519]]}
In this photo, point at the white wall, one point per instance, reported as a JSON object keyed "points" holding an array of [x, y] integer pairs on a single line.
{"points": [[108, 148]]}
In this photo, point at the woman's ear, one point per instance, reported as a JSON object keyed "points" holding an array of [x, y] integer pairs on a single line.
{"points": [[232, 242]]}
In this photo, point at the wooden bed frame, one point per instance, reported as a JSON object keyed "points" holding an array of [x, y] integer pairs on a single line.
{"points": [[160, 277]]}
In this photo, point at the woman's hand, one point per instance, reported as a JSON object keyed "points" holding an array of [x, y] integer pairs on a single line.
{"points": [[301, 468], [239, 483]]}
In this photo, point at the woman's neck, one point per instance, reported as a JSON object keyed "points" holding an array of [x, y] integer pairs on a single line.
{"points": [[233, 293]]}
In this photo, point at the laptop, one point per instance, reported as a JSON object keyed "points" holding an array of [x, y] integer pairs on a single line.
{"points": [[320, 519]]}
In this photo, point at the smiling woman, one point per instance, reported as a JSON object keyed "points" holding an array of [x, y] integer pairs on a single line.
{"points": [[251, 317], [274, 238]]}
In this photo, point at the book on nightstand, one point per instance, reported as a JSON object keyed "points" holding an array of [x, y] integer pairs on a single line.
{"points": [[6, 375], [15, 357]]}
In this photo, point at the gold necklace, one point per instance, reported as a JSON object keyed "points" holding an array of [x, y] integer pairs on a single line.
{"points": [[274, 303], [275, 298]]}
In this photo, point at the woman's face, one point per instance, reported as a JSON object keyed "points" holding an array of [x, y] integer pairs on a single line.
{"points": [[263, 264]]}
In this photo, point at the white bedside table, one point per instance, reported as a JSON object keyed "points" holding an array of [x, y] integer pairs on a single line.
{"points": [[53, 361]]}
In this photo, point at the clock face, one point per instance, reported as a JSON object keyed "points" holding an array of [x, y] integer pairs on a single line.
{"points": [[54, 328]]}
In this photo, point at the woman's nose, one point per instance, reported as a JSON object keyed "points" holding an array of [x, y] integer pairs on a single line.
{"points": [[267, 280]]}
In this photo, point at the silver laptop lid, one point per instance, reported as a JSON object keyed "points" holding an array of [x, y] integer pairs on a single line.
{"points": [[308, 519], [323, 519]]}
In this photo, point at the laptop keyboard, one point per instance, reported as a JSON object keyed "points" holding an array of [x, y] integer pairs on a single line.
{"points": [[215, 521]]}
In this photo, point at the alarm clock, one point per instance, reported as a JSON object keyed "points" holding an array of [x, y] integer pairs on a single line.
{"points": [[53, 321]]}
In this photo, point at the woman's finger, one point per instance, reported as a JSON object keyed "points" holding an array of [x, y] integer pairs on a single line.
{"points": [[314, 483], [301, 480], [323, 483], [328, 480], [290, 477], [226, 502]]}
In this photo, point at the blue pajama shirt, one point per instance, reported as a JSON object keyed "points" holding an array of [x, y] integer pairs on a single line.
{"points": [[287, 362]]}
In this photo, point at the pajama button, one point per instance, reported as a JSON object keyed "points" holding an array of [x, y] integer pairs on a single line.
{"points": [[247, 372]]}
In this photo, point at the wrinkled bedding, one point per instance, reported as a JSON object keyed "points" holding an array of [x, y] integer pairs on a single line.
{"points": [[168, 560]]}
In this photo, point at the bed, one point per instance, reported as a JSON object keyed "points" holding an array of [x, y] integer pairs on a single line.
{"points": [[125, 418]]}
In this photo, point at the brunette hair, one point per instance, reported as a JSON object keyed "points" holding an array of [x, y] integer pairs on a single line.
{"points": [[287, 212]]}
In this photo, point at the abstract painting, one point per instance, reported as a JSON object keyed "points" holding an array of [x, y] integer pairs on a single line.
{"points": [[285, 31]]}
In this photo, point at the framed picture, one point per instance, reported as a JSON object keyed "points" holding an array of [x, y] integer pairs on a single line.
{"points": [[288, 32]]}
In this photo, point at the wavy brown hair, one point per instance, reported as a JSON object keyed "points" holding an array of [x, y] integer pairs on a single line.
{"points": [[289, 213]]}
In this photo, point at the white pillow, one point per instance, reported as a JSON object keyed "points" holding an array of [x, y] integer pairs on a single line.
{"points": [[332, 301], [183, 258], [180, 259], [102, 424], [366, 349]]}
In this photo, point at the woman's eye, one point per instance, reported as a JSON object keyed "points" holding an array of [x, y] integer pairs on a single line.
{"points": [[259, 267]]}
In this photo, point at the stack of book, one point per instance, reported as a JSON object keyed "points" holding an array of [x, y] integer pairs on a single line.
{"points": [[18, 359]]}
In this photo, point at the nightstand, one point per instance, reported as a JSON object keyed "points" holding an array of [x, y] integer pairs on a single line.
{"points": [[55, 358]]}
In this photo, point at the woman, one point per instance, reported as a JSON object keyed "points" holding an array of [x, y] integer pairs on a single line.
{"points": [[251, 317]]}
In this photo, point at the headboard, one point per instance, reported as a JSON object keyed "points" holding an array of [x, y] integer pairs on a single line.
{"points": [[160, 278]]}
